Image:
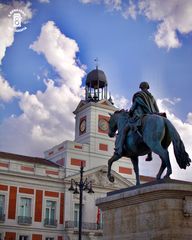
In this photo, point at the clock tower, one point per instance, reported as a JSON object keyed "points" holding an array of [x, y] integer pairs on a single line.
{"points": [[92, 114], [92, 145]]}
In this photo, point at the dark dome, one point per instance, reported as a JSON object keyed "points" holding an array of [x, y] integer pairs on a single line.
{"points": [[94, 77]]}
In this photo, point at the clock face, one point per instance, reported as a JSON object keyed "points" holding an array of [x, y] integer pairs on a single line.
{"points": [[82, 126], [103, 124]]}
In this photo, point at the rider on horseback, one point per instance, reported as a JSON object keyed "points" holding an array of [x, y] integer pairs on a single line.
{"points": [[143, 103]]}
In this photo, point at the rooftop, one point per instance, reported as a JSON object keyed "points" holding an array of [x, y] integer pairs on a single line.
{"points": [[29, 159]]}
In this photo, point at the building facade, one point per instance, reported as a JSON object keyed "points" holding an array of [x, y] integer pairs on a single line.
{"points": [[35, 203], [31, 198]]}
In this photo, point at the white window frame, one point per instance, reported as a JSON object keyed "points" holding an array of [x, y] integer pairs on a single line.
{"points": [[30, 206], [5, 193], [83, 209], [50, 209], [54, 199], [76, 210], [24, 195], [49, 237], [22, 233], [3, 202], [23, 236]]}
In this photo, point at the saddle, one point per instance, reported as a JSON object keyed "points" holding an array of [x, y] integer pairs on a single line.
{"points": [[136, 123], [161, 114]]}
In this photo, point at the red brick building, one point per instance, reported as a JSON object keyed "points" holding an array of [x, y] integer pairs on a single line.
{"points": [[31, 198]]}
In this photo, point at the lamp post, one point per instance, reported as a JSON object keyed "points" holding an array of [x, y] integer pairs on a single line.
{"points": [[78, 189]]}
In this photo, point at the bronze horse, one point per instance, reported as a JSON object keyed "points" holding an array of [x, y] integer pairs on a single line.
{"points": [[155, 135]]}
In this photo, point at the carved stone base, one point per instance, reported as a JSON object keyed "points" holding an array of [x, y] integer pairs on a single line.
{"points": [[159, 210]]}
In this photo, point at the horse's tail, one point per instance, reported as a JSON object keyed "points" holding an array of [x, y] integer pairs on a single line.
{"points": [[181, 155]]}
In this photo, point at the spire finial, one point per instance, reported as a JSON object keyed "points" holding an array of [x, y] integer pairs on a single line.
{"points": [[96, 62]]}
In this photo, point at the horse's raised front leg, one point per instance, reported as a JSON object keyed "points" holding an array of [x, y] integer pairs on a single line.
{"points": [[114, 158], [135, 161]]}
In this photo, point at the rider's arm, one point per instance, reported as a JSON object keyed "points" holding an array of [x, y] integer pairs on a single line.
{"points": [[133, 107]]}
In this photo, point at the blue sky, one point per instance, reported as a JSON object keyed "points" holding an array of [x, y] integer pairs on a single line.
{"points": [[43, 68]]}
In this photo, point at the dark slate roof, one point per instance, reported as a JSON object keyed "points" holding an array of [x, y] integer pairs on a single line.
{"points": [[94, 77], [29, 159]]}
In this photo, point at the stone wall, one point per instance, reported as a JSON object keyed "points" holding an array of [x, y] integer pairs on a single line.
{"points": [[159, 211]]}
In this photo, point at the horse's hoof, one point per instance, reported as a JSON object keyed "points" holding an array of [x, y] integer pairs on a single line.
{"points": [[158, 178], [111, 178], [166, 177]]}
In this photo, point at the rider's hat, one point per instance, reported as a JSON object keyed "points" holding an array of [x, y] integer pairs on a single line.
{"points": [[144, 85]]}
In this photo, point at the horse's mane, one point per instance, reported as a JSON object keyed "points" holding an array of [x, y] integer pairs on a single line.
{"points": [[120, 111]]}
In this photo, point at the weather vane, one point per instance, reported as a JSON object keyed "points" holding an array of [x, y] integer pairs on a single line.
{"points": [[97, 62]]}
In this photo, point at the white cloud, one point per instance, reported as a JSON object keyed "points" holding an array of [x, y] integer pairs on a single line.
{"points": [[167, 104], [7, 92], [47, 117], [130, 10], [171, 17], [189, 118], [166, 37], [6, 40], [111, 4], [120, 102], [60, 51], [6, 23]]}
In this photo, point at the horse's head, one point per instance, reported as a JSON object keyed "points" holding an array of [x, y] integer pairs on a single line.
{"points": [[113, 124]]}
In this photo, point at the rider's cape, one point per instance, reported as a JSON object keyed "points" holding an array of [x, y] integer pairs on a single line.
{"points": [[146, 101]]}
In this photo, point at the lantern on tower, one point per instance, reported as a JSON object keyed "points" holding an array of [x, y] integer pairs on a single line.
{"points": [[96, 86]]}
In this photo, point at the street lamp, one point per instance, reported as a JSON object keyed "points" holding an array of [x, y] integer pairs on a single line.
{"points": [[78, 188]]}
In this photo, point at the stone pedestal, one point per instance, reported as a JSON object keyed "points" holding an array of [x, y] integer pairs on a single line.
{"points": [[159, 210]]}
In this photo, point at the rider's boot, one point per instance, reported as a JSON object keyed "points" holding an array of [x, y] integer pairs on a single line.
{"points": [[149, 157]]}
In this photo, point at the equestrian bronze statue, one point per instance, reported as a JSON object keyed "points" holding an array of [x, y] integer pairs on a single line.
{"points": [[143, 130]]}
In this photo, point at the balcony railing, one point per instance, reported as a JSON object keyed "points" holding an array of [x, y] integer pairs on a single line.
{"points": [[50, 222], [85, 225], [2, 217], [24, 220]]}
